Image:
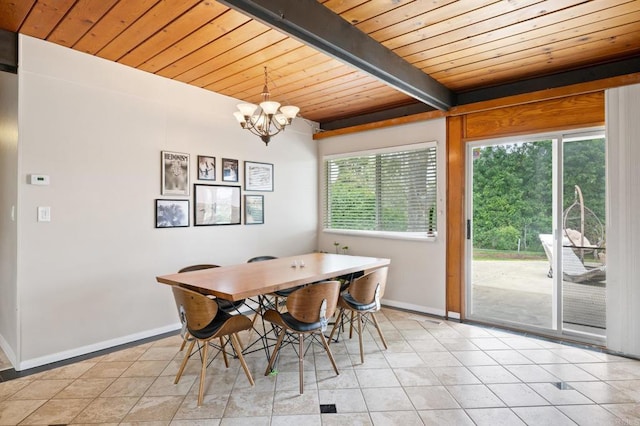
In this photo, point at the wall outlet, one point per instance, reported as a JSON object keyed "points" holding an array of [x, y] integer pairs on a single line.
{"points": [[39, 179]]}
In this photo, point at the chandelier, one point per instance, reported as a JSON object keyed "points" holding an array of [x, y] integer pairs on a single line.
{"points": [[268, 119]]}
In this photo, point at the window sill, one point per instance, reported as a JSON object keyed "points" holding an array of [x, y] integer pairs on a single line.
{"points": [[417, 236]]}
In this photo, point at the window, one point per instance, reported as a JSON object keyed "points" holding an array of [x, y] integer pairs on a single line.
{"points": [[391, 191]]}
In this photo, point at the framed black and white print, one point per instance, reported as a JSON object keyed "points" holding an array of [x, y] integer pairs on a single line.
{"points": [[258, 176], [175, 173], [206, 167], [172, 213], [216, 205], [253, 209], [229, 170]]}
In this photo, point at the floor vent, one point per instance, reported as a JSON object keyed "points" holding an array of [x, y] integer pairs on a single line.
{"points": [[328, 408], [562, 386]]}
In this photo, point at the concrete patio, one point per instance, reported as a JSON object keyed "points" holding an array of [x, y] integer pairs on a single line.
{"points": [[520, 291]]}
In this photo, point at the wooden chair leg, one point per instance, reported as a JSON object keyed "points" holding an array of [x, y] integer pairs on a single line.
{"points": [[203, 373], [375, 321], [301, 362], [236, 346], [275, 352], [224, 353], [184, 361], [359, 316], [184, 341], [326, 348], [239, 343]]}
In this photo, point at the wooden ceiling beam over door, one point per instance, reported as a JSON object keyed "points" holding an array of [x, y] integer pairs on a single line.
{"points": [[319, 27]]}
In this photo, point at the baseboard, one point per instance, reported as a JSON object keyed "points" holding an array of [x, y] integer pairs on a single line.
{"points": [[4, 345], [454, 315], [84, 350], [415, 308]]}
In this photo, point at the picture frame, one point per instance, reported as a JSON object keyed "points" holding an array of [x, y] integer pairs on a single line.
{"points": [[216, 205], [172, 213], [258, 176], [175, 173], [206, 167], [253, 209], [229, 170]]}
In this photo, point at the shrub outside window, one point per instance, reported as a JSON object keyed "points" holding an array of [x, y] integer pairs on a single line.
{"points": [[389, 191]]}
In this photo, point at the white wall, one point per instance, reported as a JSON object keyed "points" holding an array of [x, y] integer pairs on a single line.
{"points": [[417, 274], [8, 202], [623, 227], [86, 280]]}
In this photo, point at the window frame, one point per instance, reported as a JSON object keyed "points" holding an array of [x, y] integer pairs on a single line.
{"points": [[412, 236]]}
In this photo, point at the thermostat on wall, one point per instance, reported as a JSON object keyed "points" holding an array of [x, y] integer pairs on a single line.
{"points": [[39, 179]]}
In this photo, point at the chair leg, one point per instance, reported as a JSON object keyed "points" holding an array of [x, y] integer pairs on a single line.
{"points": [[336, 324], [275, 352], [184, 361], [240, 343], [236, 344], [224, 353], [203, 373], [375, 321], [359, 316], [326, 348], [301, 362], [184, 341]]}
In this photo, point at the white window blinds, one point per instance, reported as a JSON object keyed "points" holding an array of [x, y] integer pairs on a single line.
{"points": [[382, 191]]}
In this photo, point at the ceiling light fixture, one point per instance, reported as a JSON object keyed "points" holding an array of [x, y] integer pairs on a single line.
{"points": [[268, 119]]}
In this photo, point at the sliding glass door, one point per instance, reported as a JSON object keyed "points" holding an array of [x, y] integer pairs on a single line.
{"points": [[583, 243], [529, 199]]}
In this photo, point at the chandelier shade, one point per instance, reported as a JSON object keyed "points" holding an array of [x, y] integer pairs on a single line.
{"points": [[267, 119]]}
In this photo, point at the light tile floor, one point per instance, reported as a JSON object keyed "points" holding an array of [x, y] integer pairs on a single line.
{"points": [[434, 372]]}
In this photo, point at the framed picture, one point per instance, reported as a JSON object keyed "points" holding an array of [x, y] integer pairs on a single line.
{"points": [[253, 209], [175, 173], [216, 205], [206, 168], [172, 213], [229, 170], [258, 176]]}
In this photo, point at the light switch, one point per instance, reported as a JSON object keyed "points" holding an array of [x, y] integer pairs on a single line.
{"points": [[44, 214]]}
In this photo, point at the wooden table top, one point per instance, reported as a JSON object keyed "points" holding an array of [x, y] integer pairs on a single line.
{"points": [[244, 280]]}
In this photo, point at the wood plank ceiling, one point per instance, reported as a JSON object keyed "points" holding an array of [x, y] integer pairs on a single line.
{"points": [[473, 47]]}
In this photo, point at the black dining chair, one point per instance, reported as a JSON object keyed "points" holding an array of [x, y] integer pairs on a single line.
{"points": [[308, 311], [278, 294], [225, 305], [205, 321], [361, 301]]}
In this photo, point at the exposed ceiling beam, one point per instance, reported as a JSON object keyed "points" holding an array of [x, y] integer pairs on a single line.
{"points": [[8, 51], [319, 27], [372, 117], [561, 79]]}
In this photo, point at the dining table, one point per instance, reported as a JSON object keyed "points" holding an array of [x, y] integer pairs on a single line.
{"points": [[245, 280], [254, 280]]}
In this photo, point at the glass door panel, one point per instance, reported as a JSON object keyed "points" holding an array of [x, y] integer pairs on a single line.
{"points": [[583, 234], [511, 211]]}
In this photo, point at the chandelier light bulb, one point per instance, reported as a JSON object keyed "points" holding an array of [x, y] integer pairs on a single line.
{"points": [[247, 109], [289, 111]]}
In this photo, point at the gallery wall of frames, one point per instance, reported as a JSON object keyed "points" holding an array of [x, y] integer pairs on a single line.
{"points": [[216, 194]]}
